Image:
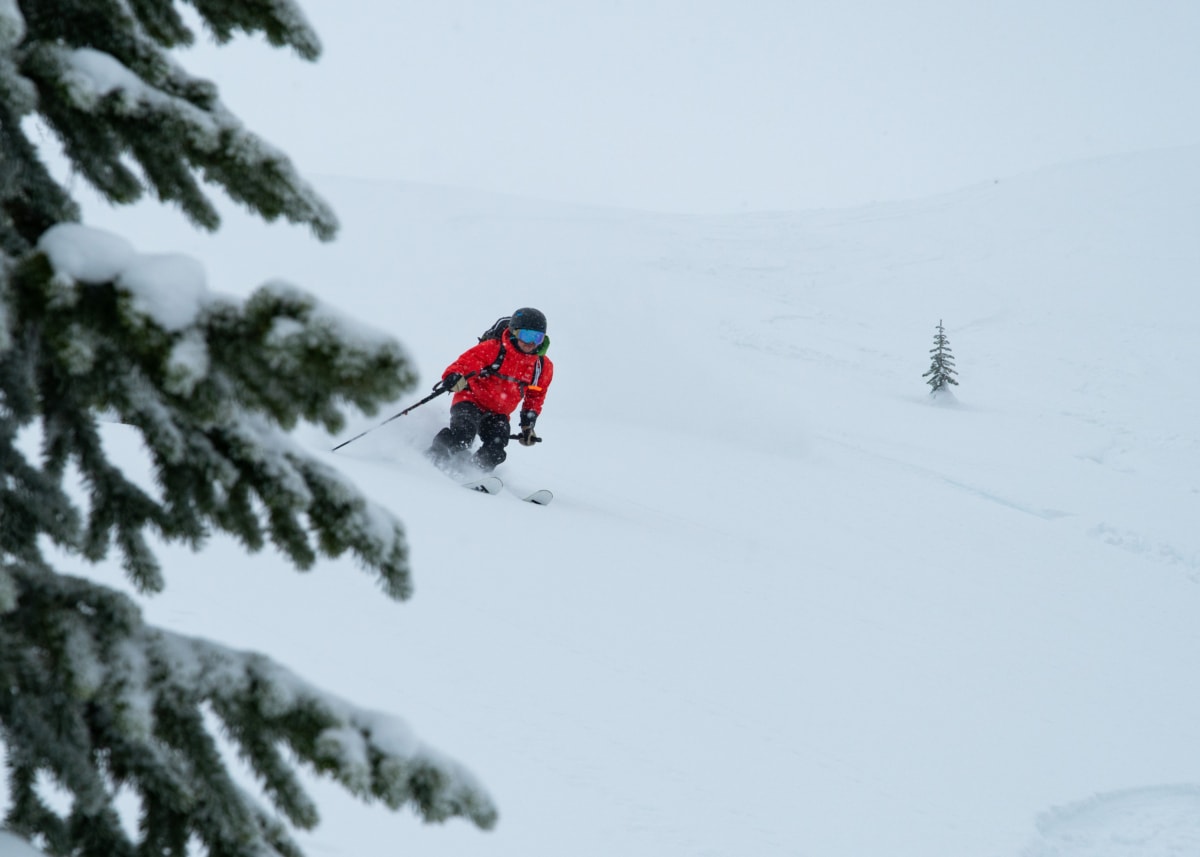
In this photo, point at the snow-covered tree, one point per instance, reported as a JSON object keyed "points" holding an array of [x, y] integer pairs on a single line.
{"points": [[941, 370], [94, 702]]}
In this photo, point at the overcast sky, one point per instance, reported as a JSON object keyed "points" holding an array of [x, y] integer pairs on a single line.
{"points": [[720, 105]]}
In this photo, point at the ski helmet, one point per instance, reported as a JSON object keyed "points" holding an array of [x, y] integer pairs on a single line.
{"points": [[528, 318]]}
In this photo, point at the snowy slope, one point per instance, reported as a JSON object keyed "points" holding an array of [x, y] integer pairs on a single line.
{"points": [[784, 603]]}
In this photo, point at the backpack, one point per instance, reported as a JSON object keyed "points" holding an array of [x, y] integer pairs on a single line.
{"points": [[496, 331]]}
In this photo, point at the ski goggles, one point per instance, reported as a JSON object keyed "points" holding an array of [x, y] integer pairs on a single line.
{"points": [[533, 337]]}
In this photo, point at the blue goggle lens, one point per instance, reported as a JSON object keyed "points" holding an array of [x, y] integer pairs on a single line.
{"points": [[533, 337]]}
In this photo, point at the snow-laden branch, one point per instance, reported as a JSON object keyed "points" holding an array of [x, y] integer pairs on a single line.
{"points": [[102, 685]]}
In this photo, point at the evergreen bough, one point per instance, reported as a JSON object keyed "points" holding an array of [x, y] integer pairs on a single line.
{"points": [[941, 370], [94, 702]]}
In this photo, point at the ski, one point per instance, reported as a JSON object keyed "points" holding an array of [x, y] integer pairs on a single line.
{"points": [[488, 484], [494, 485]]}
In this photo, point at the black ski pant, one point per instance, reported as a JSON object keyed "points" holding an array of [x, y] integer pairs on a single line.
{"points": [[467, 420]]}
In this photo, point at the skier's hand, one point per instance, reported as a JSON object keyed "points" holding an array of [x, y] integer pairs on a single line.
{"points": [[527, 437], [454, 382]]}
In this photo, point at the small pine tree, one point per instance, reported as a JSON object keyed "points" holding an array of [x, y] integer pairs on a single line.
{"points": [[94, 702], [941, 371]]}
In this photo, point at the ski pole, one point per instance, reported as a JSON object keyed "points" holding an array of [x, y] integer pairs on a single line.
{"points": [[437, 392]]}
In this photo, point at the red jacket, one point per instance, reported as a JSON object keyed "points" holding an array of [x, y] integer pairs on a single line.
{"points": [[502, 391]]}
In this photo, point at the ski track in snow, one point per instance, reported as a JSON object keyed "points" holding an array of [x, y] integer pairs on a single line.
{"points": [[1147, 548], [1122, 537], [1160, 821]]}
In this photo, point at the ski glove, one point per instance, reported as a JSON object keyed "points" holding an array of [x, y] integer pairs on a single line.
{"points": [[527, 437], [454, 382]]}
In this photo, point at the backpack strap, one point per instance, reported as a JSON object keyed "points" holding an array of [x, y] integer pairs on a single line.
{"points": [[495, 364], [494, 369], [537, 374]]}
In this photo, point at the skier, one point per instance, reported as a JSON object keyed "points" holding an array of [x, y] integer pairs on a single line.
{"points": [[489, 382]]}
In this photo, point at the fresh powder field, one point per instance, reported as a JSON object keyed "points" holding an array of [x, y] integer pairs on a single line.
{"points": [[785, 602]]}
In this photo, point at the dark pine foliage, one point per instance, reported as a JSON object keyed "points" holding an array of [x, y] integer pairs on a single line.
{"points": [[941, 370], [95, 703]]}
